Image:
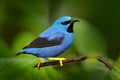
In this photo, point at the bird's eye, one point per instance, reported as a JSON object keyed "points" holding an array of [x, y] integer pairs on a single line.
{"points": [[66, 22]]}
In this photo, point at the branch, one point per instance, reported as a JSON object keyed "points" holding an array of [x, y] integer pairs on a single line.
{"points": [[79, 58], [64, 61], [104, 61]]}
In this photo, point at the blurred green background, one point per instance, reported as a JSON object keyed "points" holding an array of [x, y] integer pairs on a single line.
{"points": [[96, 35]]}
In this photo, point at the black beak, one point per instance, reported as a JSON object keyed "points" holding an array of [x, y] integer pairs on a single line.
{"points": [[75, 21], [70, 28]]}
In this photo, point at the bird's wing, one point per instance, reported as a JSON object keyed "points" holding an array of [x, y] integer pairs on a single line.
{"points": [[40, 42]]}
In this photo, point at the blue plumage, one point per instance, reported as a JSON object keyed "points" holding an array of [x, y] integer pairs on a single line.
{"points": [[53, 41]]}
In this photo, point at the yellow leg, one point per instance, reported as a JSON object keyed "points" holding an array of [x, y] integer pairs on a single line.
{"points": [[38, 64], [58, 59]]}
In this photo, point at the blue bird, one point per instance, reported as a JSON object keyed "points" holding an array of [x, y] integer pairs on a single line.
{"points": [[53, 41]]}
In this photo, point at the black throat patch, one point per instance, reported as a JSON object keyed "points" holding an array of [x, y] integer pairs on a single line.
{"points": [[70, 28]]}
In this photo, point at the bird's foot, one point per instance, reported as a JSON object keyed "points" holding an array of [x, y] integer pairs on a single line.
{"points": [[38, 64], [58, 59]]}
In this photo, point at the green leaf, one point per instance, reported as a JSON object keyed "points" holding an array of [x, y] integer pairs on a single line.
{"points": [[11, 67], [22, 68]]}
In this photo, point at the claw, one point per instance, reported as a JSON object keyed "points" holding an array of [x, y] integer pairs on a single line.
{"points": [[58, 59], [38, 65]]}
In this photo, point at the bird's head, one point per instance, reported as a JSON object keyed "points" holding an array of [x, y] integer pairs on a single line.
{"points": [[65, 23]]}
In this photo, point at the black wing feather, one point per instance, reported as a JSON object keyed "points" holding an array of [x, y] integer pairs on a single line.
{"points": [[44, 42]]}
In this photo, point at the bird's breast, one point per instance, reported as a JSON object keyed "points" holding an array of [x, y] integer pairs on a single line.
{"points": [[68, 39]]}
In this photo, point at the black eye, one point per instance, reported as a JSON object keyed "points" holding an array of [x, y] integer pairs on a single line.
{"points": [[66, 22]]}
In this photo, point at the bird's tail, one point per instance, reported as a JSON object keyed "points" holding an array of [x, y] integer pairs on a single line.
{"points": [[18, 53]]}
